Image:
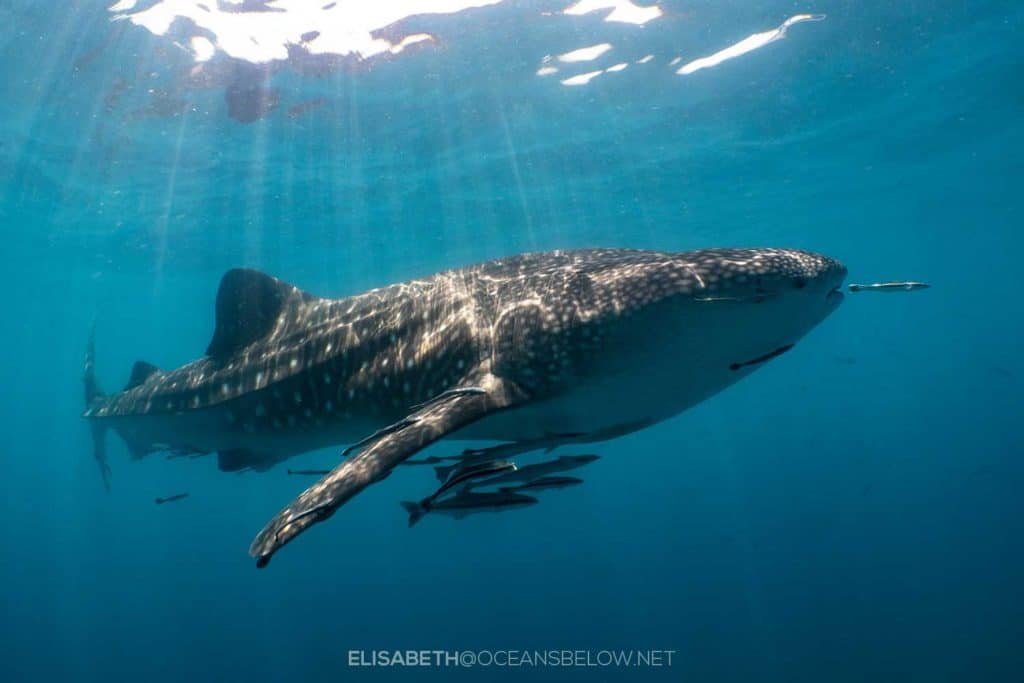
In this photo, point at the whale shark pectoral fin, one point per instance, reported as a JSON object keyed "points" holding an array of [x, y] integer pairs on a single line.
{"points": [[249, 306], [406, 421], [431, 423], [445, 395], [383, 431]]}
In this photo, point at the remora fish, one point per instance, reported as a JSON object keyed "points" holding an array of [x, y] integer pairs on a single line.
{"points": [[469, 473], [170, 499], [547, 443], [320, 472], [505, 451], [467, 502], [431, 460], [528, 473], [543, 483], [591, 341], [889, 287]]}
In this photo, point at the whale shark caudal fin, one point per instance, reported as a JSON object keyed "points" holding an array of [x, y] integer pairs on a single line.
{"points": [[93, 394], [434, 421], [250, 305], [415, 510]]}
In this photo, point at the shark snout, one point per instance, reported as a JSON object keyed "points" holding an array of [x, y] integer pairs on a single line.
{"points": [[833, 274], [803, 266], [819, 275]]}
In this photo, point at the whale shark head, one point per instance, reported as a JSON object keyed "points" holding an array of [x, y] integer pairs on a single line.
{"points": [[690, 324], [755, 304], [634, 337], [799, 279]]}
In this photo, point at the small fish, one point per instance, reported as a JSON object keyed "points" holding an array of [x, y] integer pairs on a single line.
{"points": [[432, 460], [469, 472], [505, 451], [467, 502], [170, 499], [310, 472], [889, 287], [543, 483], [528, 473]]}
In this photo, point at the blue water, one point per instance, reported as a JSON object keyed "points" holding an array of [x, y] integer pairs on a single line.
{"points": [[851, 512]]}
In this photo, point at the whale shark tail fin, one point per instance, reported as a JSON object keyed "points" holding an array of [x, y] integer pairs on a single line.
{"points": [[415, 510], [92, 387], [93, 394]]}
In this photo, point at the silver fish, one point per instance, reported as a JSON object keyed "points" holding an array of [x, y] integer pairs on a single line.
{"points": [[889, 287]]}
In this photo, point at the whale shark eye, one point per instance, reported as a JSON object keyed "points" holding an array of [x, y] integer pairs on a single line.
{"points": [[800, 282]]}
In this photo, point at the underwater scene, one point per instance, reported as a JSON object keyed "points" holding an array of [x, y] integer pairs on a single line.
{"points": [[504, 339]]}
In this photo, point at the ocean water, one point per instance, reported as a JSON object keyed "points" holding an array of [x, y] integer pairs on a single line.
{"points": [[850, 512]]}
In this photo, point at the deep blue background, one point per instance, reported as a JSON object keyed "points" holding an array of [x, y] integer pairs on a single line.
{"points": [[850, 512]]}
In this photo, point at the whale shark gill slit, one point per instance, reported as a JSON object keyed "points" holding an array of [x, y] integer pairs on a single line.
{"points": [[761, 359]]}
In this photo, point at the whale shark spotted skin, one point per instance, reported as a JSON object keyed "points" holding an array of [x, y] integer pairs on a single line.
{"points": [[597, 342]]}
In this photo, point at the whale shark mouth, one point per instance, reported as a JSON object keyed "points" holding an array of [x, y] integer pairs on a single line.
{"points": [[834, 296], [761, 359]]}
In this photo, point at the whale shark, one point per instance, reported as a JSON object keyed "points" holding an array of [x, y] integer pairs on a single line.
{"points": [[593, 342]]}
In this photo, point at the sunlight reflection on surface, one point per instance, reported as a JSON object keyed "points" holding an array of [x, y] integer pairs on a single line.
{"points": [[622, 11], [748, 44], [266, 33], [582, 79], [252, 36], [585, 54]]}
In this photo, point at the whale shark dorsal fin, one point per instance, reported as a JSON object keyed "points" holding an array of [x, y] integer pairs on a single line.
{"points": [[141, 371], [249, 304]]}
